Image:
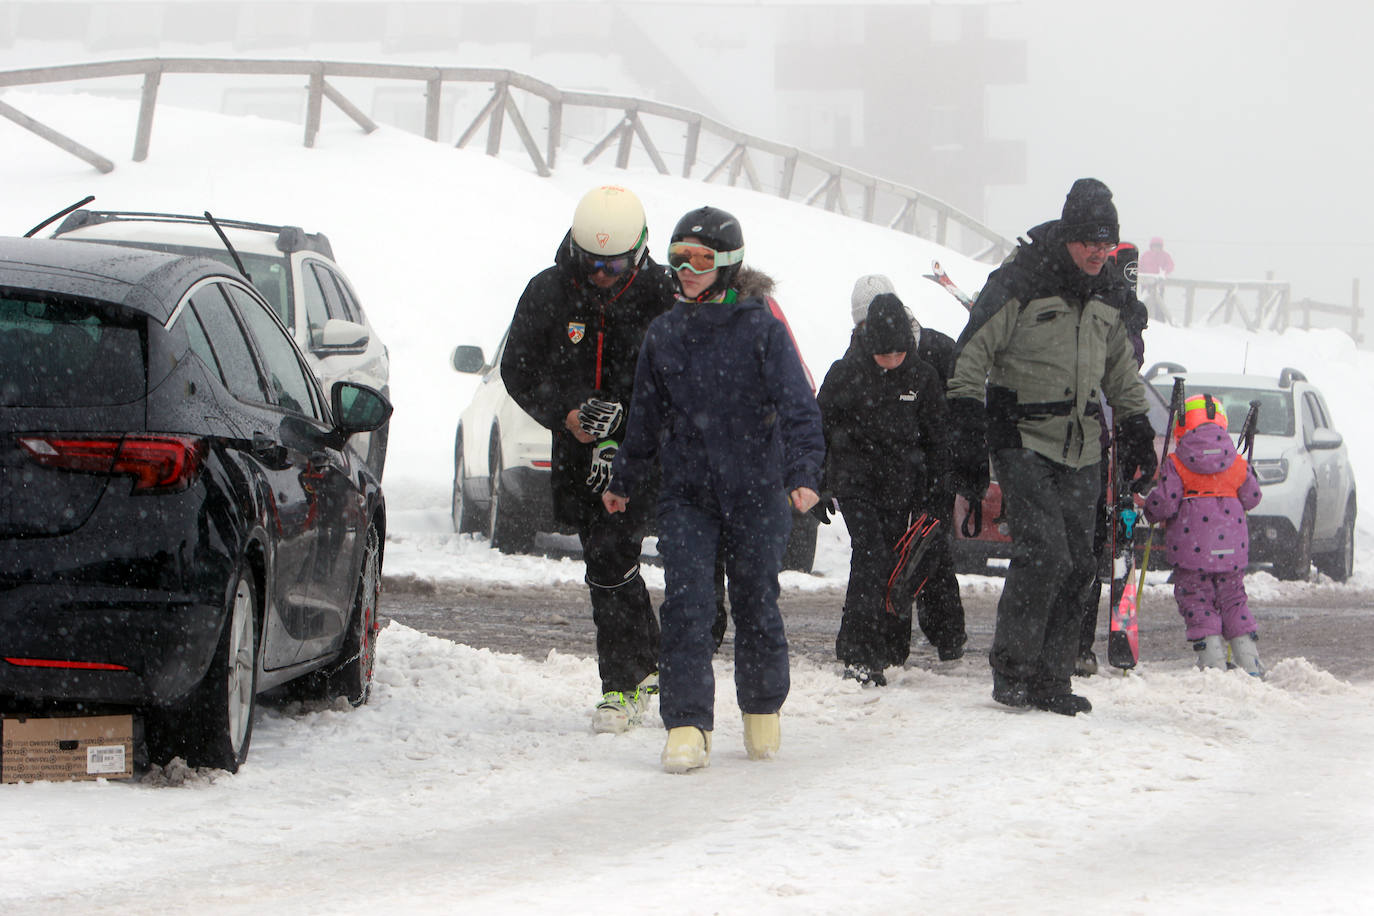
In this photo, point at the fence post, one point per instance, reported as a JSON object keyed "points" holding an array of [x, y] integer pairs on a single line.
{"points": [[1355, 310], [434, 88], [147, 103], [555, 130], [497, 117], [314, 102]]}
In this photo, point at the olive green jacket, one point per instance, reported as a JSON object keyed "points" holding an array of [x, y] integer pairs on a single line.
{"points": [[1044, 341]]}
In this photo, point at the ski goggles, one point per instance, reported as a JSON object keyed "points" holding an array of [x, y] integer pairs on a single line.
{"points": [[700, 259], [610, 266]]}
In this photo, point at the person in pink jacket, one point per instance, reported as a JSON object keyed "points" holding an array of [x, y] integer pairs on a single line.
{"points": [[1203, 493], [1155, 260]]}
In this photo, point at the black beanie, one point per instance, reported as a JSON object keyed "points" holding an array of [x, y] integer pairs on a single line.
{"points": [[1089, 214], [888, 327]]}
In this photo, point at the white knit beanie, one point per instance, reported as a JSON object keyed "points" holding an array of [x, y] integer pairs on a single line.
{"points": [[865, 288]]}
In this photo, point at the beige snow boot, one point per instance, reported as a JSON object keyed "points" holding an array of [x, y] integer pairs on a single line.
{"points": [[762, 735], [687, 748]]}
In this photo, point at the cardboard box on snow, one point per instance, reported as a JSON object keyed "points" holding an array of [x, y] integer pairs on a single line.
{"points": [[61, 749]]}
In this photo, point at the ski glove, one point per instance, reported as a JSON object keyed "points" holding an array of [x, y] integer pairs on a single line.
{"points": [[603, 456], [968, 447], [824, 508], [599, 418], [1135, 449]]}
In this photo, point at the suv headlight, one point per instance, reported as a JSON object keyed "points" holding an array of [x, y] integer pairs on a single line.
{"points": [[1270, 470]]}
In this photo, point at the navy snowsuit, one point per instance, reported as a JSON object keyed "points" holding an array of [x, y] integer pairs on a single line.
{"points": [[722, 403]]}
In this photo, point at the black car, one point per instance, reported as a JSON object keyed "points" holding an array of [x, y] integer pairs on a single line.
{"points": [[183, 522]]}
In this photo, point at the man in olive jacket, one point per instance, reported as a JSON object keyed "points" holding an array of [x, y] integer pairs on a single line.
{"points": [[1042, 343]]}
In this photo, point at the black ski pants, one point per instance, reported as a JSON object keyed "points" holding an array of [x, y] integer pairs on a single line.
{"points": [[1050, 509], [627, 634], [869, 635], [939, 609], [1092, 597]]}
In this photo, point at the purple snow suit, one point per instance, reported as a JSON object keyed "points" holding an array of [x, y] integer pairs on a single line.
{"points": [[1206, 538]]}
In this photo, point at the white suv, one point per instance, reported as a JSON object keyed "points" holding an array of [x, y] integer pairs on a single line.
{"points": [[295, 272], [1306, 514], [501, 469]]}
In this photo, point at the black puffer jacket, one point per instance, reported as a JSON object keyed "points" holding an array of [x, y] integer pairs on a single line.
{"points": [[569, 341], [886, 431]]}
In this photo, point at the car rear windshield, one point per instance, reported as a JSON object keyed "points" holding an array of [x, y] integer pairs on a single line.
{"points": [[1275, 407], [271, 275], [68, 354]]}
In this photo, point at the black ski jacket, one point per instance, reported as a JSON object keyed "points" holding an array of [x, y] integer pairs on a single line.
{"points": [[569, 341], [886, 431]]}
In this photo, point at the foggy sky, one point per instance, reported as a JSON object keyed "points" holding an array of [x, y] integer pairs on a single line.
{"points": [[1239, 132]]}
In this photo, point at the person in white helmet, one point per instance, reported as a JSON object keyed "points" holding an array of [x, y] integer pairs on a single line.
{"points": [[569, 362]]}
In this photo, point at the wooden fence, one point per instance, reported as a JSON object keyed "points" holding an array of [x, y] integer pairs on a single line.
{"points": [[1259, 305], [699, 146]]}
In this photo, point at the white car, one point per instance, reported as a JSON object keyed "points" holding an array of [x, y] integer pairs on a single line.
{"points": [[295, 272], [1306, 513], [502, 464]]}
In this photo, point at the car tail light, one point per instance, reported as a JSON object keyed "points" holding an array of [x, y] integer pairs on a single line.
{"points": [[65, 663], [156, 463]]}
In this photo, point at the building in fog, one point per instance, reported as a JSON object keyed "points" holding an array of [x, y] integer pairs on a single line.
{"points": [[898, 89]]}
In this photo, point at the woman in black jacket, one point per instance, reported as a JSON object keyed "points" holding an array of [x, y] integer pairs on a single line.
{"points": [[885, 419]]}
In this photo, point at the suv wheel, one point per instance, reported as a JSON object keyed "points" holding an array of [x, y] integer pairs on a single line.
{"points": [[1297, 563], [508, 531], [1339, 564], [466, 519]]}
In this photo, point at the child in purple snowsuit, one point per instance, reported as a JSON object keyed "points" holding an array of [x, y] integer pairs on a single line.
{"points": [[1203, 493]]}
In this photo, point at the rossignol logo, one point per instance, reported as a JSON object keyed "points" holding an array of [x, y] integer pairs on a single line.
{"points": [[1132, 272], [602, 238], [576, 331]]}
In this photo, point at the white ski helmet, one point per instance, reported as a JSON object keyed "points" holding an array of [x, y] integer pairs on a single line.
{"points": [[609, 220]]}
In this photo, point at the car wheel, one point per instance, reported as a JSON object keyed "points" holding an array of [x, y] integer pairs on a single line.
{"points": [[1297, 563], [1339, 564], [351, 678], [466, 519], [214, 728], [508, 532], [801, 543]]}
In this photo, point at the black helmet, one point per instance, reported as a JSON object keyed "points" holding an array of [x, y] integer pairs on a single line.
{"points": [[719, 230]]}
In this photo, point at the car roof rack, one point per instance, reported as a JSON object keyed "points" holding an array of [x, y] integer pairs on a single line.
{"points": [[1289, 375], [1159, 369], [289, 238]]}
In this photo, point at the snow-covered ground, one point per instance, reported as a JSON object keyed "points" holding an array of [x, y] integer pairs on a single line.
{"points": [[471, 782]]}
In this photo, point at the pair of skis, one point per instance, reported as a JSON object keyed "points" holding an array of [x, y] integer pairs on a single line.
{"points": [[912, 550]]}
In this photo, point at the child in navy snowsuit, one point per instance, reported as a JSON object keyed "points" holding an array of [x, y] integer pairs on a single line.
{"points": [[722, 403], [1203, 493]]}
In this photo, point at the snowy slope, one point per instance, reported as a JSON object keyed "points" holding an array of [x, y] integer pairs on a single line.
{"points": [[471, 782]]}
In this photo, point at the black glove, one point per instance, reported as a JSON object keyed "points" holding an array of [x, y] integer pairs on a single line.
{"points": [[599, 418], [603, 456], [1135, 448], [968, 449], [824, 508]]}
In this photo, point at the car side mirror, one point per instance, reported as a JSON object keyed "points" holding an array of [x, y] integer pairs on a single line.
{"points": [[469, 360], [1325, 439], [358, 408], [343, 335]]}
